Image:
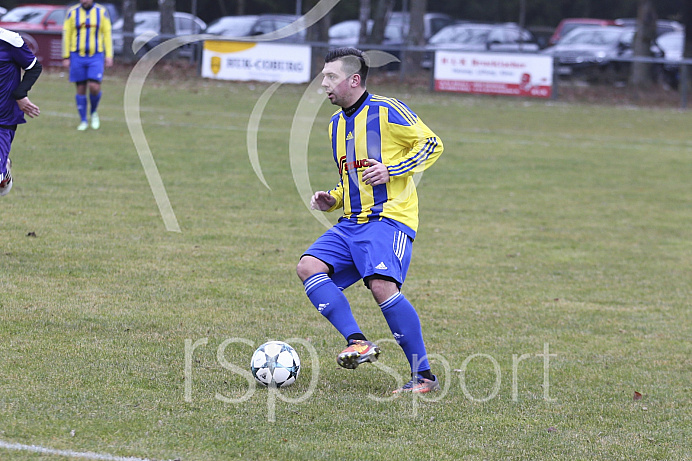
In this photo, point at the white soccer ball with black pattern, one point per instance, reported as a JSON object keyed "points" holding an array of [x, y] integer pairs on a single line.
{"points": [[275, 363]]}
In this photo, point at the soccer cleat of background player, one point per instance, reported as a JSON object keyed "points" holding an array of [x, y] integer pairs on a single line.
{"points": [[87, 47], [14, 100]]}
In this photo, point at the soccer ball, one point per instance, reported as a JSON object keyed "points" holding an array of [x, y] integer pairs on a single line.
{"points": [[275, 363]]}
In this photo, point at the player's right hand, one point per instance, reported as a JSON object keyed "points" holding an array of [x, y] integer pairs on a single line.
{"points": [[322, 201], [28, 107]]}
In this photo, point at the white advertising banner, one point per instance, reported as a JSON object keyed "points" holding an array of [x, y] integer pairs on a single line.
{"points": [[267, 62], [510, 74]]}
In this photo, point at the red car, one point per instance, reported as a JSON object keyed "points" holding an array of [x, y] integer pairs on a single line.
{"points": [[34, 18], [567, 25], [41, 28]]}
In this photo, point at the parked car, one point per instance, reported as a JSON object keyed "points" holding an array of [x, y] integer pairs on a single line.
{"points": [[672, 45], [569, 24], [32, 17], [267, 23], [251, 25], [150, 22], [507, 37], [232, 26], [346, 33], [592, 52], [432, 23], [662, 25]]}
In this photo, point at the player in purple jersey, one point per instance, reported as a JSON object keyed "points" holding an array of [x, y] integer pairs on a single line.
{"points": [[14, 102]]}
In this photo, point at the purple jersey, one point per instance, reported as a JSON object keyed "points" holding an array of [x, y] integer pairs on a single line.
{"points": [[14, 56]]}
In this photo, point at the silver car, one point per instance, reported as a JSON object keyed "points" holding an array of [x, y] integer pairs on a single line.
{"points": [[507, 37], [149, 23]]}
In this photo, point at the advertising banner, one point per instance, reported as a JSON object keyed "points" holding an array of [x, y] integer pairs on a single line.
{"points": [[46, 46], [267, 62], [511, 74]]}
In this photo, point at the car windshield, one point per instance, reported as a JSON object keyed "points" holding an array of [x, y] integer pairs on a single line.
{"points": [[147, 22], [592, 36], [27, 14], [236, 26], [465, 35], [570, 26]]}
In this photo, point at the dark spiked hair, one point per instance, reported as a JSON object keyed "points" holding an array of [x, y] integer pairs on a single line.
{"points": [[353, 61]]}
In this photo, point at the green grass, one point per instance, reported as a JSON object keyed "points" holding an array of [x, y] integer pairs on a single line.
{"points": [[542, 223]]}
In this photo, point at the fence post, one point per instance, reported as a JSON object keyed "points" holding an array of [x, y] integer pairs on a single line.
{"points": [[432, 73], [684, 84], [556, 80]]}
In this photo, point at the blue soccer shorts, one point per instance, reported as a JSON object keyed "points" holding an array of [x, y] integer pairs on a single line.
{"points": [[359, 251], [83, 68], [6, 137]]}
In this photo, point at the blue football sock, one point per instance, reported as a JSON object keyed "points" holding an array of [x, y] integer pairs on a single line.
{"points": [[331, 303], [404, 323], [94, 100], [82, 106]]}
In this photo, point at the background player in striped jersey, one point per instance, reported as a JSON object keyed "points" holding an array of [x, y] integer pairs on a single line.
{"points": [[86, 46], [14, 102], [378, 144]]}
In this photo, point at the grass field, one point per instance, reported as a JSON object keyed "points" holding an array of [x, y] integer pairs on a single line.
{"points": [[551, 273]]}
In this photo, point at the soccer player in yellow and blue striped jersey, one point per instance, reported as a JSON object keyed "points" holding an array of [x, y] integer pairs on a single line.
{"points": [[87, 45], [378, 144]]}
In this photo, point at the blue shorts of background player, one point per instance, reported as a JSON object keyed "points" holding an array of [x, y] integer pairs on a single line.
{"points": [[356, 251], [87, 71], [83, 68]]}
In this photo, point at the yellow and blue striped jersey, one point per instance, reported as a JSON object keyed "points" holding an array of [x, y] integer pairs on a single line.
{"points": [[87, 31], [386, 130]]}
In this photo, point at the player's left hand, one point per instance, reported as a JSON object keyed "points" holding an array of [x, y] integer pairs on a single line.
{"points": [[28, 107], [376, 174], [109, 62]]}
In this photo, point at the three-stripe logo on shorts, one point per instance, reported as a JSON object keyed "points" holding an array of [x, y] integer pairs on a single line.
{"points": [[399, 245]]}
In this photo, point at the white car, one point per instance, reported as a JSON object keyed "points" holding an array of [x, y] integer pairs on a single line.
{"points": [[672, 45]]}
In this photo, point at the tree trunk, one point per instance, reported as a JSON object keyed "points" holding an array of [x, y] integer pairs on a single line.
{"points": [[129, 9], [167, 8], [687, 21], [687, 51], [363, 17], [416, 37], [642, 75], [383, 11], [319, 32]]}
